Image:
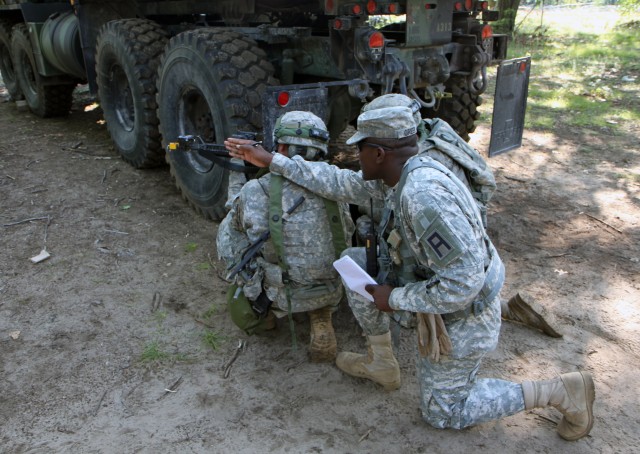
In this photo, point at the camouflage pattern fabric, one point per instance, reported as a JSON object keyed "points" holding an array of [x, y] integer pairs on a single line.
{"points": [[309, 252], [450, 394]]}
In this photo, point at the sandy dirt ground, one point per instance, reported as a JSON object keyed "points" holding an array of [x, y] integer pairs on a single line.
{"points": [[106, 346]]}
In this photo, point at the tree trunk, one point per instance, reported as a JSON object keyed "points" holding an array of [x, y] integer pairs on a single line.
{"points": [[508, 10]]}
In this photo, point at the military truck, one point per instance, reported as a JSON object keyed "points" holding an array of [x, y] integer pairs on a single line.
{"points": [[162, 69]]}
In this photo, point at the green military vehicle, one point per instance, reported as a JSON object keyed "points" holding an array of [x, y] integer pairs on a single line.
{"points": [[164, 69]]}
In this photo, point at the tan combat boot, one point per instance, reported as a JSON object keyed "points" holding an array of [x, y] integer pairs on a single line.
{"points": [[323, 344], [572, 394], [378, 365]]}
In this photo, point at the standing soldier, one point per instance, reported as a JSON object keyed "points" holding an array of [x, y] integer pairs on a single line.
{"points": [[293, 272]]}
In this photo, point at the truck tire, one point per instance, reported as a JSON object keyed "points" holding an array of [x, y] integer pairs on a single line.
{"points": [[43, 100], [128, 53], [6, 62], [210, 84], [461, 110]]}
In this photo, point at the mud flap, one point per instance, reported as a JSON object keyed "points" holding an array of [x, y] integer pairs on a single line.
{"points": [[273, 106], [278, 100], [510, 104]]}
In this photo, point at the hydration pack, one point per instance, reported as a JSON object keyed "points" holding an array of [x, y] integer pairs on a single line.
{"points": [[441, 136]]}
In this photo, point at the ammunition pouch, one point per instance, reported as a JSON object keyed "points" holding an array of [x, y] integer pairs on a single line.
{"points": [[249, 316]]}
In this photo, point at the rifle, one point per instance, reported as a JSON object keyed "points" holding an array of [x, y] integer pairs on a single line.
{"points": [[214, 151], [256, 246]]}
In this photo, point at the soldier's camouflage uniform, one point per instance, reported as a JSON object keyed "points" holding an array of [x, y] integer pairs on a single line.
{"points": [[308, 246], [451, 394]]}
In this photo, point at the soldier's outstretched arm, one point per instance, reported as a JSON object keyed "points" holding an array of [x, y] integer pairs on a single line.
{"points": [[249, 150], [324, 179]]}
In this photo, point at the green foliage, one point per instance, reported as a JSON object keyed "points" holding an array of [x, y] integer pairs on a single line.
{"points": [[212, 311], [152, 353], [584, 73], [159, 317], [629, 6], [190, 247], [212, 339]]}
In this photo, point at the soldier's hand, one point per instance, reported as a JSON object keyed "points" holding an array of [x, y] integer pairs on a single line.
{"points": [[380, 295], [249, 151]]}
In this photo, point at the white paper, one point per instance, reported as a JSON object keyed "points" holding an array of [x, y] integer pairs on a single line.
{"points": [[43, 255], [354, 277]]}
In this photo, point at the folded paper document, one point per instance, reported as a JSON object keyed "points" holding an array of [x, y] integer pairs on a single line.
{"points": [[354, 277]]}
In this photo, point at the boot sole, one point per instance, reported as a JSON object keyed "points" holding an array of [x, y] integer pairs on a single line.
{"points": [[388, 386], [590, 391], [322, 356]]}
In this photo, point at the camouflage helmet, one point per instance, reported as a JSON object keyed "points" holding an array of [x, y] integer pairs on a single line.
{"points": [[396, 100], [301, 128]]}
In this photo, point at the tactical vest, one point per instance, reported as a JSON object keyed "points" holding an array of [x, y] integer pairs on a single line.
{"points": [[305, 247], [297, 231], [398, 261]]}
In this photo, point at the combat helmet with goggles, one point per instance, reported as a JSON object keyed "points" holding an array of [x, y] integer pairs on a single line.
{"points": [[305, 131]]}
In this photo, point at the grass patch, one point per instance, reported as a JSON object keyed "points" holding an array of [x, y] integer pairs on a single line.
{"points": [[212, 339], [160, 317], [211, 312], [578, 79], [190, 247], [204, 266], [153, 353]]}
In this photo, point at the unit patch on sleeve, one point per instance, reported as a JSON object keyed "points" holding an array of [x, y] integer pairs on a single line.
{"points": [[439, 241]]}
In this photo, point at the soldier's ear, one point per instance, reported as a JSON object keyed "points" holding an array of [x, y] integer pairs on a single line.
{"points": [[380, 155]]}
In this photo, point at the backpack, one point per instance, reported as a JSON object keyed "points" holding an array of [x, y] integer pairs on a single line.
{"points": [[441, 136]]}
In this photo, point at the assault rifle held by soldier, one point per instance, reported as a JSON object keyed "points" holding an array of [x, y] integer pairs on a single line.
{"points": [[214, 152]]}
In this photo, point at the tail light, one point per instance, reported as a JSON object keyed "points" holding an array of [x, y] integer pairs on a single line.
{"points": [[370, 45], [376, 41], [371, 7], [283, 98], [487, 32], [468, 4], [356, 9]]}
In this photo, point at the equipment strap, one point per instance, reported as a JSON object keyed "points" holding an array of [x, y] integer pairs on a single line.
{"points": [[277, 235], [277, 239]]}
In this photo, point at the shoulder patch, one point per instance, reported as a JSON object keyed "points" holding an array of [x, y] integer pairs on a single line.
{"points": [[438, 240]]}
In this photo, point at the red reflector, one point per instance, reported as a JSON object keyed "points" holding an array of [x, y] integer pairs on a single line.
{"points": [[393, 8], [356, 9], [457, 6], [328, 5], [523, 67], [283, 98], [371, 7], [487, 32], [337, 24], [376, 40], [427, 6], [468, 4], [484, 5]]}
